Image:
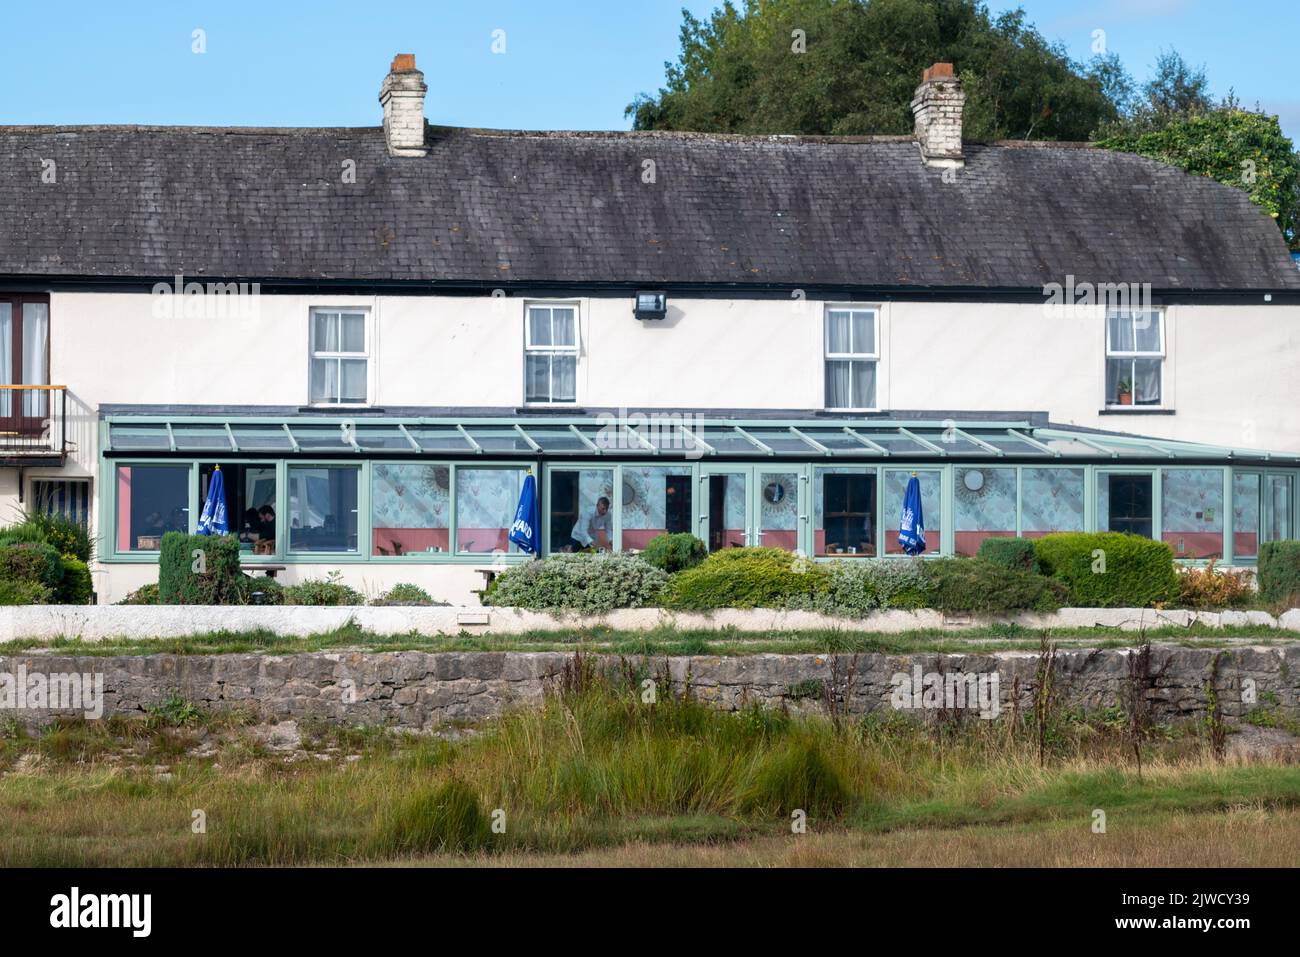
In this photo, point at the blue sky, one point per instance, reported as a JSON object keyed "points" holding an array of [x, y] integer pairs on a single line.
{"points": [[568, 64]]}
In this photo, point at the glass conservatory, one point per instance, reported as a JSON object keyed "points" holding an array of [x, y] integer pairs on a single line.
{"points": [[443, 490]]}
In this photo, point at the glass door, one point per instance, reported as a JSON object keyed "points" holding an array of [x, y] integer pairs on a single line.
{"points": [[726, 510], [750, 505], [1277, 511]]}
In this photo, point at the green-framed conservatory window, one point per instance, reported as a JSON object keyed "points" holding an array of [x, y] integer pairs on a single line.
{"points": [[1052, 500], [152, 500], [1191, 512], [410, 508], [931, 481], [845, 500], [985, 506], [323, 508], [486, 499]]}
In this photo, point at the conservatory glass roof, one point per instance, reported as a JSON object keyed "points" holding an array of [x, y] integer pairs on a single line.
{"points": [[670, 436]]}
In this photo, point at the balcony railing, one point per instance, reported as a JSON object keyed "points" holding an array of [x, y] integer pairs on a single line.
{"points": [[33, 421]]}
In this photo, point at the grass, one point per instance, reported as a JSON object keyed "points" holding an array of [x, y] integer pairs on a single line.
{"points": [[660, 641], [594, 775]]}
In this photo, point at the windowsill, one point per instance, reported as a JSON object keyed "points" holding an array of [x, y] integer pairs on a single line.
{"points": [[333, 407], [569, 407], [1135, 410]]}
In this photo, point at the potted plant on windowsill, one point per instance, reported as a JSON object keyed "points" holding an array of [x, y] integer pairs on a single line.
{"points": [[1124, 392]]}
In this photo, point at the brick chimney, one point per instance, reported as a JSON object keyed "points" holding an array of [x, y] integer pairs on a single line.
{"points": [[402, 97], [937, 106]]}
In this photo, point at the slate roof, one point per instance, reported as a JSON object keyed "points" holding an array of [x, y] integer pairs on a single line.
{"points": [[494, 207]]}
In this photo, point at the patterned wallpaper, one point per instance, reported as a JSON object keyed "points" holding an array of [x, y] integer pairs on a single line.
{"points": [[1052, 500], [410, 496]]}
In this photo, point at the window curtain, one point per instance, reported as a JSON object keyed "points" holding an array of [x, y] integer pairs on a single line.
{"points": [[36, 340], [839, 384]]}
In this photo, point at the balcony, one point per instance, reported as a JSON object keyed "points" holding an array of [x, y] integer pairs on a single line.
{"points": [[33, 424]]}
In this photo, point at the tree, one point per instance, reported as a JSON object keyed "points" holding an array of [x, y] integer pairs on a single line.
{"points": [[851, 66]]}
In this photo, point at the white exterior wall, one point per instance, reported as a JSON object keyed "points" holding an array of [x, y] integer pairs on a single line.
{"points": [[1232, 373]]}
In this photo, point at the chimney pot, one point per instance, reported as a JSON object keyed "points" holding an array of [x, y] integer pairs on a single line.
{"points": [[937, 106], [402, 97]]}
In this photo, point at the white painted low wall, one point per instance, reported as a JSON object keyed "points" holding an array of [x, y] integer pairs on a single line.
{"points": [[97, 622]]}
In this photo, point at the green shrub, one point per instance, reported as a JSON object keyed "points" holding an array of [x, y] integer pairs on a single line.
{"points": [[1138, 572], [674, 552], [76, 586], [438, 818], [32, 562], [329, 590], [25, 593], [748, 578], [859, 586], [1279, 572], [272, 591], [144, 595], [23, 533], [68, 535], [581, 582], [1009, 553], [982, 587], [219, 583], [405, 593]]}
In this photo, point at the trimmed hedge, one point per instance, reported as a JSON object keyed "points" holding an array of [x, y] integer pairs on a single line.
{"points": [[674, 552], [1009, 553], [221, 582], [748, 578], [982, 587], [579, 582], [1279, 572], [76, 587], [1138, 572], [33, 562]]}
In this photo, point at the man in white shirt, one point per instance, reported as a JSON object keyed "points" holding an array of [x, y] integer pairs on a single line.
{"points": [[595, 530]]}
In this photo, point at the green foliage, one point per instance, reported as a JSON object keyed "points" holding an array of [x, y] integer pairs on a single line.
{"points": [[748, 578], [23, 532], [174, 711], [1279, 572], [31, 573], [144, 595], [674, 552], [329, 590], [76, 586], [859, 586], [441, 817], [739, 71], [983, 587], [272, 591], [1109, 569], [199, 570], [1009, 553], [68, 535], [581, 582], [25, 593], [1236, 147], [406, 594]]}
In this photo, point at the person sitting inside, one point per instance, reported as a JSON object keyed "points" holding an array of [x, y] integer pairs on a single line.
{"points": [[596, 531], [250, 527], [265, 544]]}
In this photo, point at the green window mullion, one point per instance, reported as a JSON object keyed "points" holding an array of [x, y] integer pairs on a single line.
{"points": [[453, 533]]}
